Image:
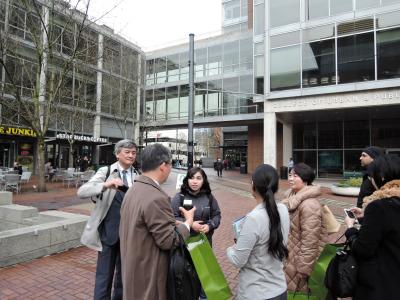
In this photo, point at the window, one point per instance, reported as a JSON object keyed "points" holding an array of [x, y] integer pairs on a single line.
{"points": [[183, 101], [285, 68], [215, 60], [200, 98], [231, 103], [246, 54], [330, 135], [305, 136], [362, 4], [160, 69], [259, 19], [356, 134], [150, 72], [388, 56], [231, 57], [341, 6], [232, 10], [200, 59], [214, 99], [356, 58], [172, 102], [160, 102], [317, 9], [173, 68], [319, 63], [284, 12]]}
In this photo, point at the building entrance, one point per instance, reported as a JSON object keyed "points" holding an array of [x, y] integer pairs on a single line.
{"points": [[5, 156]]}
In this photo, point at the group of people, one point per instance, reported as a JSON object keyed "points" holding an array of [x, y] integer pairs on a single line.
{"points": [[278, 244]]}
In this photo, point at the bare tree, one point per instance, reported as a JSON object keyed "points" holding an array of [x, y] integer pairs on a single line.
{"points": [[39, 47]]}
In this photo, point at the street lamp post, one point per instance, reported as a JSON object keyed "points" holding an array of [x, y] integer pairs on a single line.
{"points": [[191, 101]]}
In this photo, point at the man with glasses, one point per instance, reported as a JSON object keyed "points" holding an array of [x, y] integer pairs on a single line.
{"points": [[148, 228], [102, 229], [367, 157]]}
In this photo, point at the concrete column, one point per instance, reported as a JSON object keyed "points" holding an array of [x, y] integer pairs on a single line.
{"points": [[269, 138], [287, 142]]}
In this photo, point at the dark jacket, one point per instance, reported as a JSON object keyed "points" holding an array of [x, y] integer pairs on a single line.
{"points": [[366, 189], [376, 245], [209, 214]]}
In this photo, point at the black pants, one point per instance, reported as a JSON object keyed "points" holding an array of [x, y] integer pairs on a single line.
{"points": [[108, 262], [219, 172]]}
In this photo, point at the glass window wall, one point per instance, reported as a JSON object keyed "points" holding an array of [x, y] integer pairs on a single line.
{"points": [[319, 63], [305, 136], [200, 58], [215, 60], [388, 55], [173, 68], [200, 98], [214, 99], [259, 19], [330, 163], [231, 57], [284, 12], [172, 102], [362, 4], [160, 102], [356, 58], [317, 9], [385, 133], [308, 157], [231, 100], [330, 135], [356, 134], [183, 101], [341, 6], [285, 68]]}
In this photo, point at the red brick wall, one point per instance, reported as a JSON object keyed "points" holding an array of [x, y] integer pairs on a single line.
{"points": [[255, 147]]}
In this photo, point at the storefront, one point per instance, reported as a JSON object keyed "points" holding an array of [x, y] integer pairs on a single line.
{"points": [[58, 149], [17, 144]]}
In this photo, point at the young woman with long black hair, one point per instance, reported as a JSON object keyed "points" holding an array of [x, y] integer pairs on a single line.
{"points": [[261, 244]]}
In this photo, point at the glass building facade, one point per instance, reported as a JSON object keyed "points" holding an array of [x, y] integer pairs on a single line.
{"points": [[223, 80], [319, 49]]}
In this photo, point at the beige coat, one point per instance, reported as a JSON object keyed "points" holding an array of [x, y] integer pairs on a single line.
{"points": [[306, 236], [146, 236]]}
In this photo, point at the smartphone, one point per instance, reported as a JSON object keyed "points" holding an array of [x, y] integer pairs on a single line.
{"points": [[349, 213], [187, 204]]}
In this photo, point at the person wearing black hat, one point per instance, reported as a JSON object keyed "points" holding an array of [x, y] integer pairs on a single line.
{"points": [[367, 157]]}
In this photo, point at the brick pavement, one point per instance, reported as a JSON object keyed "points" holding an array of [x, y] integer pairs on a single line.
{"points": [[70, 274]]}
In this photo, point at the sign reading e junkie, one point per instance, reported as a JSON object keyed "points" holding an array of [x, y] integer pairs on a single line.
{"points": [[17, 131]]}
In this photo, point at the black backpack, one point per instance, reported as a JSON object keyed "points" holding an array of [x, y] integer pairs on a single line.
{"points": [[182, 281], [341, 274]]}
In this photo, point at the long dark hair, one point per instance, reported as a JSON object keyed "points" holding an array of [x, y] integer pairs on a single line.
{"points": [[265, 183], [205, 188]]}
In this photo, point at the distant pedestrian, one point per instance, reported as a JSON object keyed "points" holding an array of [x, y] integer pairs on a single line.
{"points": [[261, 245], [220, 167], [367, 157], [18, 168], [49, 171], [307, 234]]}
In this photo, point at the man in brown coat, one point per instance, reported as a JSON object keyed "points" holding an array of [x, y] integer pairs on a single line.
{"points": [[147, 229]]}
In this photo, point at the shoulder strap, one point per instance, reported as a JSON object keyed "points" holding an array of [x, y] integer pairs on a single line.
{"points": [[108, 172]]}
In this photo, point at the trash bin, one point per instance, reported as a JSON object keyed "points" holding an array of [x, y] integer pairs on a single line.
{"points": [[284, 172], [243, 168]]}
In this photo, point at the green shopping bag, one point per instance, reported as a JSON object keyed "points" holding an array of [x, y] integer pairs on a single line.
{"points": [[211, 277], [300, 296], [317, 277]]}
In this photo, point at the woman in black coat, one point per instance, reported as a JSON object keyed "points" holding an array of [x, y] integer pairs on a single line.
{"points": [[376, 245]]}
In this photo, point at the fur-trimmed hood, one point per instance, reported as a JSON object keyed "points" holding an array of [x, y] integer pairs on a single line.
{"points": [[389, 190], [293, 200]]}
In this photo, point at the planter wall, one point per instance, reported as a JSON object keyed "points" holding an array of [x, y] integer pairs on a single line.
{"points": [[345, 191]]}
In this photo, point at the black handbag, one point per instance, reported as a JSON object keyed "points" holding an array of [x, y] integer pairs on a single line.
{"points": [[341, 274]]}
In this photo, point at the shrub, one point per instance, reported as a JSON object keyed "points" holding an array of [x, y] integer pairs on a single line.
{"points": [[351, 182]]}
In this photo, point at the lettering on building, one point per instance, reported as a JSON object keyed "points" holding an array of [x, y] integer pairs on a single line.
{"points": [[83, 138], [17, 131], [378, 98]]}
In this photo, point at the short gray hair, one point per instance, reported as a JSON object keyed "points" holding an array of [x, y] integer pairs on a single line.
{"points": [[154, 155], [124, 144]]}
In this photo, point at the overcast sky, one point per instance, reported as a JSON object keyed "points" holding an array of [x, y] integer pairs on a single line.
{"points": [[151, 23]]}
